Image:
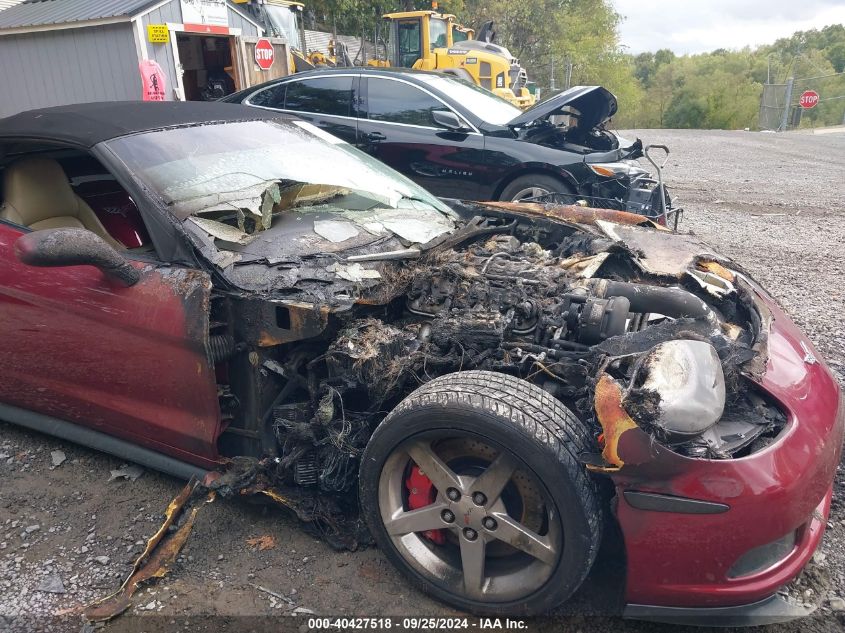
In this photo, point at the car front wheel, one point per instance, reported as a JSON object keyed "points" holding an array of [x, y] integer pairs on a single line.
{"points": [[526, 188], [472, 488]]}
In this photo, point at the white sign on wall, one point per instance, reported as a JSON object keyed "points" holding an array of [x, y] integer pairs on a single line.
{"points": [[210, 12]]}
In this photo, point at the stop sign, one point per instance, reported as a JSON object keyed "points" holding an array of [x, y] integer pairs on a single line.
{"points": [[809, 99], [264, 54]]}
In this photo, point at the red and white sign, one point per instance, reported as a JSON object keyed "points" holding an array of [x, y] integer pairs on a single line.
{"points": [[206, 28], [153, 86], [206, 12], [264, 54], [809, 99]]}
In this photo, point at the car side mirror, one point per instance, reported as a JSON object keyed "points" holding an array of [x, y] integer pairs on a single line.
{"points": [[74, 247], [449, 120]]}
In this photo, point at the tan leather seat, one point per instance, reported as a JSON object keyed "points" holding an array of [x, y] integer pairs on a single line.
{"points": [[38, 195]]}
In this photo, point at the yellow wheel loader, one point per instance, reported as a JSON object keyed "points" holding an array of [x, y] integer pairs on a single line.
{"points": [[425, 40], [461, 33]]}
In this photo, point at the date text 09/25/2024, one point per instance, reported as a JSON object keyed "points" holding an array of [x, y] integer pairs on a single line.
{"points": [[417, 623]]}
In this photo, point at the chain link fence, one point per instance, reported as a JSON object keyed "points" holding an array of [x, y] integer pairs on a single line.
{"points": [[772, 104], [780, 109]]}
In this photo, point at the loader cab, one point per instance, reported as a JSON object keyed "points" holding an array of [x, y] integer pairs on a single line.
{"points": [[462, 33], [414, 35], [406, 42], [283, 18]]}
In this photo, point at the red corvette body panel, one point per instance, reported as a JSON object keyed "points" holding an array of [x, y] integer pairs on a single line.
{"points": [[683, 560], [130, 362]]}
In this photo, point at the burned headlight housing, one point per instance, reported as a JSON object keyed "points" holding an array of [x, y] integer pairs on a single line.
{"points": [[681, 390], [678, 394]]}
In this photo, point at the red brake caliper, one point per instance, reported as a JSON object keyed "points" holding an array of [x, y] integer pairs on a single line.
{"points": [[422, 493]]}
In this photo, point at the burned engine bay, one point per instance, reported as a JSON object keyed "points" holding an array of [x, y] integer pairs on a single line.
{"points": [[313, 349]]}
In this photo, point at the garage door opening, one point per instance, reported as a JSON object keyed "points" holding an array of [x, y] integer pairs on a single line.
{"points": [[208, 67]]}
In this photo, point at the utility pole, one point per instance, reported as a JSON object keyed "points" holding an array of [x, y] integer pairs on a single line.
{"points": [[552, 80], [568, 80], [786, 103]]}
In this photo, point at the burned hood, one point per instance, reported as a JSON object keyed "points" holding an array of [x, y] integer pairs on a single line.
{"points": [[594, 105]]}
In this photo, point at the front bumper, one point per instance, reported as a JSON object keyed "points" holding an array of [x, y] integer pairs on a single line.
{"points": [[772, 610], [683, 560], [769, 610]]}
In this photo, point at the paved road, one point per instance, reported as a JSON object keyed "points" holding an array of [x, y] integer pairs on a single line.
{"points": [[775, 203]]}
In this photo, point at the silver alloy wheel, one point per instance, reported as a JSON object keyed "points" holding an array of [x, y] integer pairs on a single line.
{"points": [[529, 192], [489, 555]]}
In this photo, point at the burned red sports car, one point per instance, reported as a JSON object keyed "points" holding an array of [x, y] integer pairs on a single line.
{"points": [[205, 287]]}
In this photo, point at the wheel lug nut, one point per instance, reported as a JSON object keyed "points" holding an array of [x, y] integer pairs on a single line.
{"points": [[489, 523], [470, 534], [453, 494], [479, 498], [448, 516]]}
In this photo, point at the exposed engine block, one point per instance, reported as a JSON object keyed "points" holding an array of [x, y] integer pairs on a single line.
{"points": [[515, 291]]}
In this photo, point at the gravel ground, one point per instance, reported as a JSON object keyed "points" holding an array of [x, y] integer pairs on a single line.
{"points": [[68, 535]]}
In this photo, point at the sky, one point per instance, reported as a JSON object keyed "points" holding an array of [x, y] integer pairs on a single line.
{"points": [[696, 26]]}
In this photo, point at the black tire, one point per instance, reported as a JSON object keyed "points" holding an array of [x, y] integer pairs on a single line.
{"points": [[541, 182], [536, 428]]}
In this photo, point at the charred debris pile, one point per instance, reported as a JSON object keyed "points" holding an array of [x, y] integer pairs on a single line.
{"points": [[306, 375]]}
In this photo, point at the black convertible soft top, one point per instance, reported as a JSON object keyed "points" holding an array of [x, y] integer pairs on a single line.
{"points": [[87, 124]]}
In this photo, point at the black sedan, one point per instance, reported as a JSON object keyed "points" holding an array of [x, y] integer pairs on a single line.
{"points": [[460, 141]]}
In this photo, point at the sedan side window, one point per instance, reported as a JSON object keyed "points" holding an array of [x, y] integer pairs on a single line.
{"points": [[272, 97], [398, 102], [325, 95]]}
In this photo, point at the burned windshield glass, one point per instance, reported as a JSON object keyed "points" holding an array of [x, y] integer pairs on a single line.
{"points": [[238, 180]]}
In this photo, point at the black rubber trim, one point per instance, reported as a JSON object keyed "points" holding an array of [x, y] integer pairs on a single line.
{"points": [[657, 502], [771, 610], [100, 442]]}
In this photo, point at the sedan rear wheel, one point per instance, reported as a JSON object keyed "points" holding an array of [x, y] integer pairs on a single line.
{"points": [[472, 489]]}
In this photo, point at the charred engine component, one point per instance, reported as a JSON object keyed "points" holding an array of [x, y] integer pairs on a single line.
{"points": [[305, 470], [320, 446], [671, 302], [221, 348], [478, 331], [372, 356], [291, 420], [593, 320], [504, 290], [502, 285]]}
